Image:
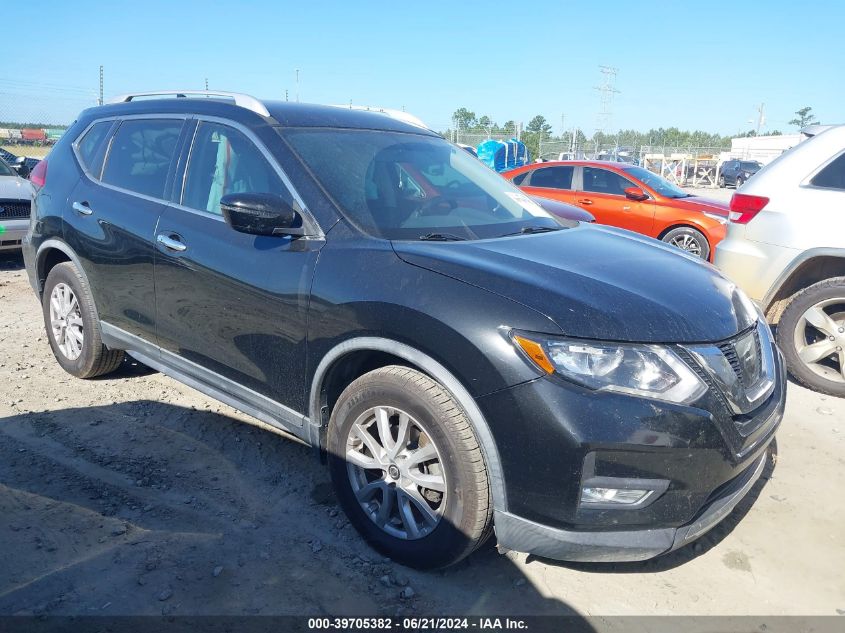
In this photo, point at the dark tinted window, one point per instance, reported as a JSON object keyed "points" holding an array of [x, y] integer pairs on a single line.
{"points": [[225, 161], [517, 180], [140, 155], [603, 181], [89, 145], [832, 176], [749, 165], [5, 170], [552, 177]]}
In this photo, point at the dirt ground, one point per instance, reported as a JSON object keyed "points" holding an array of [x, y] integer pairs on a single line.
{"points": [[133, 494]]}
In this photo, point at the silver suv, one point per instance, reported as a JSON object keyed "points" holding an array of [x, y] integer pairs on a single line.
{"points": [[786, 248]]}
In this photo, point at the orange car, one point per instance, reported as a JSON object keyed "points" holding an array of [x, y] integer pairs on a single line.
{"points": [[632, 198]]}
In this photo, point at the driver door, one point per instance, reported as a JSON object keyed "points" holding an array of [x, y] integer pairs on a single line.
{"points": [[602, 193]]}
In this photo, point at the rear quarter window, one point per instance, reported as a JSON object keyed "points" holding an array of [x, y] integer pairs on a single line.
{"points": [[832, 176], [140, 155], [89, 145]]}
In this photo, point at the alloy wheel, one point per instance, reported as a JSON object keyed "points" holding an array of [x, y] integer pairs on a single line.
{"points": [[396, 472], [688, 243], [66, 321], [820, 339]]}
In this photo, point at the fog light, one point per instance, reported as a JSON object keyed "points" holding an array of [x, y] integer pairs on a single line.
{"points": [[619, 496]]}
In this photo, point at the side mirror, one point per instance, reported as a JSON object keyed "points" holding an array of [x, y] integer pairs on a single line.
{"points": [[21, 167], [261, 214], [635, 193]]}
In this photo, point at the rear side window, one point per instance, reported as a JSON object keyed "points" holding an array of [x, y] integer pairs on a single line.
{"points": [[225, 161], [552, 177], [832, 176], [89, 145], [140, 155]]}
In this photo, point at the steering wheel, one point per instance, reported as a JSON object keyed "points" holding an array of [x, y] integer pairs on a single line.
{"points": [[437, 206]]}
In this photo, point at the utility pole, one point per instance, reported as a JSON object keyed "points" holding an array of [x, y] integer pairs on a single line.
{"points": [[286, 94], [100, 100], [761, 117], [604, 120], [297, 85], [206, 84]]}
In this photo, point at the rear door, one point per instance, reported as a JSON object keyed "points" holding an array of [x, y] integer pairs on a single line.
{"points": [[231, 307], [113, 212], [602, 193], [554, 182]]}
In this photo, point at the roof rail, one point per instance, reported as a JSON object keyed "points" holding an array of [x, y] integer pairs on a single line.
{"points": [[242, 100], [399, 115]]}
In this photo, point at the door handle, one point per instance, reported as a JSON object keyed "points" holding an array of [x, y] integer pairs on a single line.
{"points": [[626, 208], [171, 243], [586, 201], [82, 208]]}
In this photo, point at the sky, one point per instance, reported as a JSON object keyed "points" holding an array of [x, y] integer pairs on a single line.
{"points": [[690, 64]]}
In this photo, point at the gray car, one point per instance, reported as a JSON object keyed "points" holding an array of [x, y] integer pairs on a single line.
{"points": [[15, 199], [786, 248]]}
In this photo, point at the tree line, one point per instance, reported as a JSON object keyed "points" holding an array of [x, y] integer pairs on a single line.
{"points": [[539, 130]]}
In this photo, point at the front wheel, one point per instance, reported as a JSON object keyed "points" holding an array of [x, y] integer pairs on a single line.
{"points": [[739, 182], [811, 333], [407, 468], [722, 183], [689, 240]]}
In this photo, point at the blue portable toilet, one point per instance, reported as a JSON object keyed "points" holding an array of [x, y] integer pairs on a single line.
{"points": [[503, 155]]}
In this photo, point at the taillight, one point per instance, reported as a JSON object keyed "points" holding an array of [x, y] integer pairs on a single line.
{"points": [[38, 177], [744, 207]]}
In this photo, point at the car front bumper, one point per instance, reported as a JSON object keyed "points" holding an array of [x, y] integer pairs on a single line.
{"points": [[700, 461], [520, 534], [12, 233]]}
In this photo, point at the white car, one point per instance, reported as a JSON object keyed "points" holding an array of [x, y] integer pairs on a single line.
{"points": [[786, 248], [15, 199]]}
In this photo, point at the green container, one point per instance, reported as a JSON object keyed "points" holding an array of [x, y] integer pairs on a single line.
{"points": [[54, 134]]}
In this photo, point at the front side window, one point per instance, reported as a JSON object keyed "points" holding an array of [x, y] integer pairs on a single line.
{"points": [[832, 176], [410, 186], [552, 177], [224, 161], [89, 145], [140, 155], [597, 180]]}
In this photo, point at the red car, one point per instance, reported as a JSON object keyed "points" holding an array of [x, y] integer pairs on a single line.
{"points": [[632, 198]]}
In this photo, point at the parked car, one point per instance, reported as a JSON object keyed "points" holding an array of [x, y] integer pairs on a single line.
{"points": [[632, 198], [735, 172], [462, 359], [786, 248], [15, 200]]}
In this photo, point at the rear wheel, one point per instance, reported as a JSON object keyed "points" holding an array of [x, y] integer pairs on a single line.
{"points": [[407, 468], [72, 325], [689, 240], [811, 333], [722, 183]]}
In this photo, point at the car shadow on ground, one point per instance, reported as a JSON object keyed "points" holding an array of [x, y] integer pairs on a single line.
{"points": [[695, 549], [146, 508], [11, 260]]}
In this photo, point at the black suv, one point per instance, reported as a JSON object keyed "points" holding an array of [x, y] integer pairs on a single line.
{"points": [[462, 361], [736, 172]]}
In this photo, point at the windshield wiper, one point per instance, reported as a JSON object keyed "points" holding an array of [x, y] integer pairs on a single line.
{"points": [[442, 237], [527, 230]]}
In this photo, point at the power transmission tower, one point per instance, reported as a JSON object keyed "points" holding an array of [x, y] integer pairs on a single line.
{"points": [[100, 100], [206, 84], [604, 119]]}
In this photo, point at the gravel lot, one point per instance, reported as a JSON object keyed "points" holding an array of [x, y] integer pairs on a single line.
{"points": [[133, 494]]}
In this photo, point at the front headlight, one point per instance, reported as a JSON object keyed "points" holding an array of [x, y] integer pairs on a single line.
{"points": [[650, 371]]}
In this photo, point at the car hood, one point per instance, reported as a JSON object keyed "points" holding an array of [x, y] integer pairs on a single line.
{"points": [[699, 203], [597, 282], [15, 188]]}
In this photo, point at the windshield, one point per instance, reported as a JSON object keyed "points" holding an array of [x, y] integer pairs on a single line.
{"points": [[409, 186], [655, 182], [5, 170]]}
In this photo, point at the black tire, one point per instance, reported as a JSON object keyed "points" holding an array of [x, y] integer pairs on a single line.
{"points": [[466, 516], [95, 358], [722, 183], [791, 320], [681, 234], [738, 182]]}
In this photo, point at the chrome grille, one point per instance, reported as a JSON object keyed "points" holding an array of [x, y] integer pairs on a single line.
{"points": [[14, 209]]}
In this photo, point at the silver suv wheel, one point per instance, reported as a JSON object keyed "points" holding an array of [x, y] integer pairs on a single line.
{"points": [[820, 339], [66, 321], [396, 472]]}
